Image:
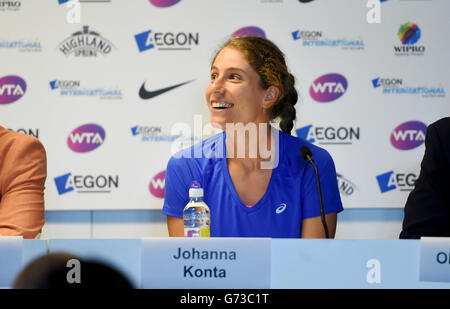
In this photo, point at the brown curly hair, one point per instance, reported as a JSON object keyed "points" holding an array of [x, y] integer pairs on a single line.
{"points": [[269, 62]]}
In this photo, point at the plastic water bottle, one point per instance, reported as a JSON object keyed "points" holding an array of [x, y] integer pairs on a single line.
{"points": [[196, 215]]}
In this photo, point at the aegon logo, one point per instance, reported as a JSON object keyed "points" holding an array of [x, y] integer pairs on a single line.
{"points": [[249, 31], [86, 183], [329, 135], [408, 135], [86, 138], [164, 3], [12, 88], [157, 184], [328, 87], [390, 181], [166, 40], [387, 82]]}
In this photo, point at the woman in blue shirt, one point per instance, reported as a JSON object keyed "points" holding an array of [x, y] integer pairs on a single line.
{"points": [[255, 180]]}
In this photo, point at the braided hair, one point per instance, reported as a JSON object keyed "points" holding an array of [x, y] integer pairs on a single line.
{"points": [[268, 61]]}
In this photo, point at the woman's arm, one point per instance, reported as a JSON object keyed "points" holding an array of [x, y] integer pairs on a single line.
{"points": [[313, 228], [175, 226]]}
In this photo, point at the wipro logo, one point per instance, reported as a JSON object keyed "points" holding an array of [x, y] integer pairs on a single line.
{"points": [[166, 40], [408, 135], [86, 183], [328, 88], [86, 138], [249, 31], [157, 184], [329, 135], [409, 34], [391, 181], [164, 3], [12, 88]]}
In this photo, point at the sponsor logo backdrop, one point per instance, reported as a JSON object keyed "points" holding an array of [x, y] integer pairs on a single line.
{"points": [[103, 84]]}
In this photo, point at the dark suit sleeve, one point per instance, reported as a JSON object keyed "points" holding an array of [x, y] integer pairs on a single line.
{"points": [[427, 209]]}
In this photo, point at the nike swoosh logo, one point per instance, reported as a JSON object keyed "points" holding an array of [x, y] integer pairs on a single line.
{"points": [[144, 94]]}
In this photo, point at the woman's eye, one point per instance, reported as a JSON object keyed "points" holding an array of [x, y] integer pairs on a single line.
{"points": [[235, 76], [213, 76]]}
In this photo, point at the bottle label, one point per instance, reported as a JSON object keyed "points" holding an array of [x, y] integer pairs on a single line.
{"points": [[197, 232]]}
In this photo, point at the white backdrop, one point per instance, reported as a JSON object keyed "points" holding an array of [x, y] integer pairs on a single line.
{"points": [[125, 170]]}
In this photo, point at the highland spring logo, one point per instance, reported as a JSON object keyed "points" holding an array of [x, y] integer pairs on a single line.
{"points": [[85, 43], [408, 135], [12, 88], [86, 138], [328, 87]]}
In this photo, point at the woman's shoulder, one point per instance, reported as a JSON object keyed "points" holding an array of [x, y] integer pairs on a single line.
{"points": [[201, 153], [293, 144]]}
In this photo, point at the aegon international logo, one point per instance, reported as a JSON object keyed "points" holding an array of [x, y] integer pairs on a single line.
{"points": [[73, 88], [408, 135], [316, 38], [86, 183], [12, 88], [86, 43], [409, 35], [164, 3], [249, 31], [21, 45], [86, 138], [166, 40], [153, 134], [397, 86], [396, 181], [329, 135], [328, 87], [157, 184]]}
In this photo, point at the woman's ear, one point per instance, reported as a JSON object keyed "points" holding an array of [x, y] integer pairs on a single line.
{"points": [[271, 96]]}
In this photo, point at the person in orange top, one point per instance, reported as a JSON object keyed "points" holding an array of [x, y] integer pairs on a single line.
{"points": [[23, 171]]}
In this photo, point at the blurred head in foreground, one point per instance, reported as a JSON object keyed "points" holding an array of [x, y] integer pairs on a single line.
{"points": [[66, 271]]}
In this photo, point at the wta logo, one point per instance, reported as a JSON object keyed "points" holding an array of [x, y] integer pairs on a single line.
{"points": [[164, 3], [249, 31], [328, 88], [12, 88], [408, 135], [157, 184], [86, 138]]}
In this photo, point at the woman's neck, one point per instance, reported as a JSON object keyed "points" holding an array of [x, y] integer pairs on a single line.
{"points": [[250, 145]]}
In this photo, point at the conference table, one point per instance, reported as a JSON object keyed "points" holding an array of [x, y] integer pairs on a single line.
{"points": [[250, 263]]}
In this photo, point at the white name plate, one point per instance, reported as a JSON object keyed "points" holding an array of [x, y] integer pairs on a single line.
{"points": [[435, 259], [10, 259], [205, 263]]}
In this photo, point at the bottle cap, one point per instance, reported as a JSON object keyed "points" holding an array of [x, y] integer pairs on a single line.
{"points": [[196, 189]]}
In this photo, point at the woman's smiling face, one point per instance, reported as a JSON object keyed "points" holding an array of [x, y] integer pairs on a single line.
{"points": [[234, 94]]}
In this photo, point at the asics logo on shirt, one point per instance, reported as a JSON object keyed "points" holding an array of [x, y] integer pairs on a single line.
{"points": [[281, 208]]}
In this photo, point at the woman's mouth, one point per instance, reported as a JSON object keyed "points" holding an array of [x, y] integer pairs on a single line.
{"points": [[221, 105]]}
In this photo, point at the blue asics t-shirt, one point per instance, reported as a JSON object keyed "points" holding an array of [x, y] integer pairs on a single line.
{"points": [[291, 195]]}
